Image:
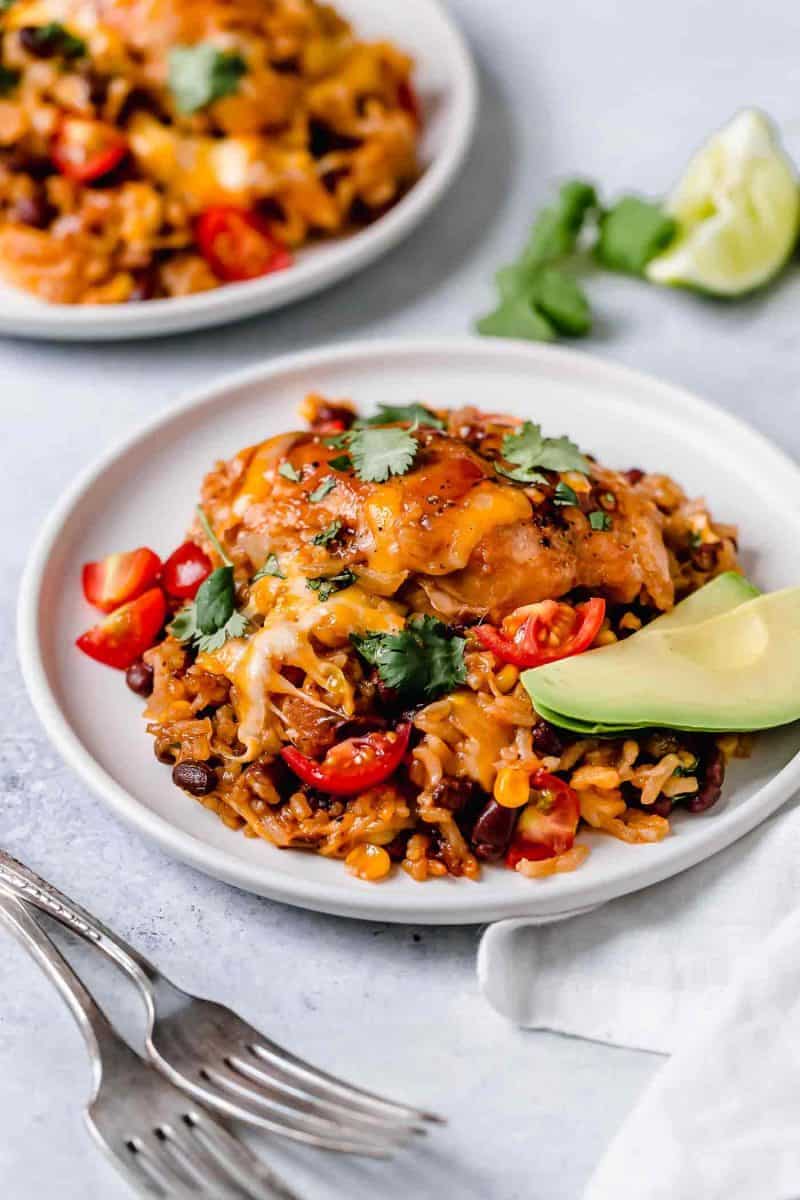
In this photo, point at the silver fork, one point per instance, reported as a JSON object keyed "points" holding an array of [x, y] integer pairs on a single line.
{"points": [[163, 1144], [223, 1062]]}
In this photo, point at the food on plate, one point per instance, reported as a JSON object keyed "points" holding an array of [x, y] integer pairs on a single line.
{"points": [[344, 634], [737, 669], [156, 149]]}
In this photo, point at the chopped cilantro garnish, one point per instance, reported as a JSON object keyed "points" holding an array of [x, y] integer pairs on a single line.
{"points": [[271, 567], [201, 74], [600, 520], [54, 38], [379, 453], [8, 80], [288, 471], [402, 414], [424, 660], [212, 617], [320, 492], [327, 535], [633, 232], [342, 462], [326, 585], [564, 495], [337, 441], [527, 450]]}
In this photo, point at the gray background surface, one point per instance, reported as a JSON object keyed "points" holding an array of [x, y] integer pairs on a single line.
{"points": [[620, 93]]}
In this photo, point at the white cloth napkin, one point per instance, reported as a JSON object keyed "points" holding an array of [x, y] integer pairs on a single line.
{"points": [[705, 967]]}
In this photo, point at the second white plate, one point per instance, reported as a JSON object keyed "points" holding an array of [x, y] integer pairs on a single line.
{"points": [[625, 418], [444, 76]]}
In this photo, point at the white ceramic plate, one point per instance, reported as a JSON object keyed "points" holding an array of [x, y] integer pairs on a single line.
{"points": [[625, 418], [444, 76]]}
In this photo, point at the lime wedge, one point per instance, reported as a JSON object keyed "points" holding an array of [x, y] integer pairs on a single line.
{"points": [[737, 209]]}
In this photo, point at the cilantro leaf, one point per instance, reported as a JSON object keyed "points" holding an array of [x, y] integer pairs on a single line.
{"points": [[270, 568], [8, 80], [633, 232], [520, 474], [54, 38], [558, 298], [201, 74], [342, 462], [516, 317], [288, 471], [212, 617], [600, 520], [320, 492], [5, 5], [423, 660], [556, 229], [337, 441], [326, 585], [327, 535], [401, 414], [212, 537], [564, 495], [379, 453], [527, 449]]}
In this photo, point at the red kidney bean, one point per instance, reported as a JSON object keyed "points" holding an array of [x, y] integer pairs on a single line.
{"points": [[546, 740], [454, 794], [194, 777], [139, 678], [493, 830], [711, 783]]}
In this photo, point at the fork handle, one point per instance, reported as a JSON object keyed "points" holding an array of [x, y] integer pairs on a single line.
{"points": [[28, 886], [92, 1021]]}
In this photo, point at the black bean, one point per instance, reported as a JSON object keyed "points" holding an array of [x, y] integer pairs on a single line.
{"points": [[711, 783], [33, 210], [195, 777], [139, 678], [454, 794], [546, 740], [41, 41], [492, 831]]}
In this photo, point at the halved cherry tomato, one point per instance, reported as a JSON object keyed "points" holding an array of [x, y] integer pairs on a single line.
{"points": [[354, 765], [237, 244], [85, 150], [185, 570], [548, 632], [408, 99], [548, 823], [128, 632], [119, 577]]}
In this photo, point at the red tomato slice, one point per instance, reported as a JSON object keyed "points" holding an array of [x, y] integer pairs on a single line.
{"points": [[119, 578], [185, 570], [85, 150], [547, 824], [552, 631], [354, 765], [128, 632], [237, 244]]}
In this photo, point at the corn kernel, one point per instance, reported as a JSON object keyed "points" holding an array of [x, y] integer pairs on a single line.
{"points": [[506, 678], [512, 787], [606, 637], [368, 862]]}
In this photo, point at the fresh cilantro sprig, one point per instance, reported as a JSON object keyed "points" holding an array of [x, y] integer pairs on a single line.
{"points": [[200, 74], [631, 233], [379, 453], [320, 492], [271, 569], [422, 661], [326, 585], [600, 521], [530, 453], [401, 414], [328, 534], [212, 617]]}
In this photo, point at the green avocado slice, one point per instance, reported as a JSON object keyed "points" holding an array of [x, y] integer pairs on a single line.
{"points": [[738, 670], [721, 595]]}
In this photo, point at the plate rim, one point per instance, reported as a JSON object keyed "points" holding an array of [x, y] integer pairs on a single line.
{"points": [[413, 907], [348, 255]]}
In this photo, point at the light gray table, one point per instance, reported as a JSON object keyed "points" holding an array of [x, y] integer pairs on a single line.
{"points": [[617, 92]]}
